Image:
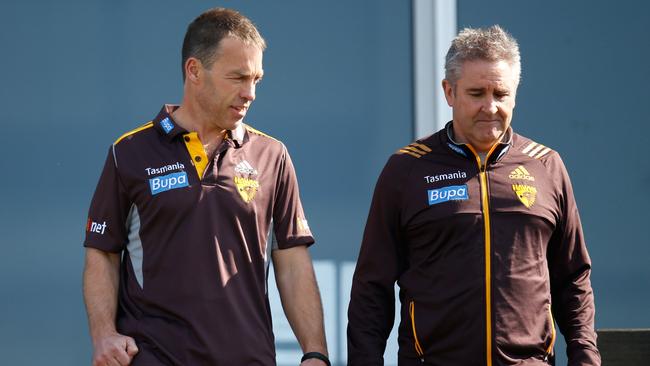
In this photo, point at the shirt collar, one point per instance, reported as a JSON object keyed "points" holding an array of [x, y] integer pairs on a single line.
{"points": [[165, 124], [237, 135], [462, 149]]}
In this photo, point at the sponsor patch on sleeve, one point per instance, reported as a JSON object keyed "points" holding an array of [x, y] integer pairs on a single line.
{"points": [[95, 227], [449, 193]]}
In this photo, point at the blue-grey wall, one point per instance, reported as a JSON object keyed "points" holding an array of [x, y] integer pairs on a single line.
{"points": [[584, 92], [77, 74], [337, 91]]}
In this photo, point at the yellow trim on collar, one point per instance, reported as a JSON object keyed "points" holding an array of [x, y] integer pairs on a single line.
{"points": [[257, 132], [197, 153]]}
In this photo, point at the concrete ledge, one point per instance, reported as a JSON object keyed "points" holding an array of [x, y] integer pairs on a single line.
{"points": [[629, 347]]}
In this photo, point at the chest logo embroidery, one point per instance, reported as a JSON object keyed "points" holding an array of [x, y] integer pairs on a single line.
{"points": [[445, 194], [445, 176], [521, 174], [525, 193], [167, 182], [245, 181]]}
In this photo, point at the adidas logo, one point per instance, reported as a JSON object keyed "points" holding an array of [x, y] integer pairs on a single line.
{"points": [[245, 167], [521, 174]]}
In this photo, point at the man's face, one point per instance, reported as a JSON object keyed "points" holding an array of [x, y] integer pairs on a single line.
{"points": [[227, 88], [482, 102]]}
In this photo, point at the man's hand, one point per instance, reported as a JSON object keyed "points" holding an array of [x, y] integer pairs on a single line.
{"points": [[100, 283], [113, 350]]}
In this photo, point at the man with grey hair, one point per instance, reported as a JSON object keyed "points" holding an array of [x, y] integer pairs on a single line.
{"points": [[479, 227]]}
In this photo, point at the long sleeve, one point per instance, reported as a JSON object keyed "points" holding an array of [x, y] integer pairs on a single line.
{"points": [[372, 302], [570, 269]]}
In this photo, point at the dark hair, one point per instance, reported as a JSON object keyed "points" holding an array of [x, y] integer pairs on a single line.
{"points": [[205, 33]]}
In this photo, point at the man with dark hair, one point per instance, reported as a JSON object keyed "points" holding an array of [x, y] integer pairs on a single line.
{"points": [[177, 242], [479, 228]]}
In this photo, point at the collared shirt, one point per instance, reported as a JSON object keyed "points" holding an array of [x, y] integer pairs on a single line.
{"points": [[194, 232]]}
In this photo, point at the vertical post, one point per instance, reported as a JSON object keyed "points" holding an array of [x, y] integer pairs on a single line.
{"points": [[434, 26]]}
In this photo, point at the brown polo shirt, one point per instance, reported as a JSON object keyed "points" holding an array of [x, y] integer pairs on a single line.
{"points": [[195, 236]]}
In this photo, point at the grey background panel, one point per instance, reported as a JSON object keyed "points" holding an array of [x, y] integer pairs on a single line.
{"points": [[77, 74], [584, 92], [338, 92]]}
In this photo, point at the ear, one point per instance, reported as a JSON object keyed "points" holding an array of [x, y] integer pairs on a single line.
{"points": [[448, 89], [193, 70]]}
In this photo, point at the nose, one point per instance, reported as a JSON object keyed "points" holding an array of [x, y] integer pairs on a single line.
{"points": [[490, 106], [248, 91]]}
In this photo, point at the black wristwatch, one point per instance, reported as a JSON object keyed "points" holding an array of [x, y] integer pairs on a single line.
{"points": [[317, 355]]}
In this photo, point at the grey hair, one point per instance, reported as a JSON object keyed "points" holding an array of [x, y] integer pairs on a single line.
{"points": [[488, 44]]}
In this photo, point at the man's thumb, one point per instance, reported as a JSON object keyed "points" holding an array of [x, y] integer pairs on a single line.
{"points": [[131, 348]]}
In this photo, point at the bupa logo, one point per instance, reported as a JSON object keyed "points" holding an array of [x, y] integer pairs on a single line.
{"points": [[166, 182], [167, 125], [95, 227], [445, 194]]}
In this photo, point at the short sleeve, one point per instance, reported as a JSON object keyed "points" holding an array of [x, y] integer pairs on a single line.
{"points": [[109, 208], [290, 225]]}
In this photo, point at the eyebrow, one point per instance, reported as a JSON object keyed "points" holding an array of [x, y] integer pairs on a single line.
{"points": [[241, 73], [496, 90]]}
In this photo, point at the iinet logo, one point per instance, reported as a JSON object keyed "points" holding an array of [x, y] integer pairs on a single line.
{"points": [[94, 227]]}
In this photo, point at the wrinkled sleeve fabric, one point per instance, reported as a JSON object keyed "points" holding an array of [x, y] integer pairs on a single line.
{"points": [[290, 225], [371, 311], [109, 208], [570, 269]]}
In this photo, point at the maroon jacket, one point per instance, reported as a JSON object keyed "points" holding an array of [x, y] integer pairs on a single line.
{"points": [[488, 258]]}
